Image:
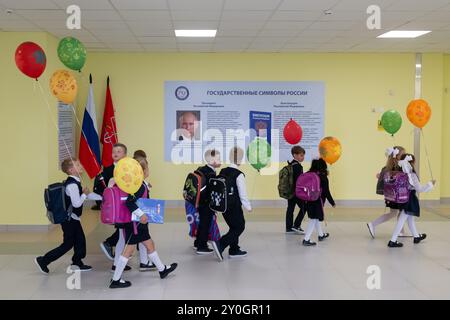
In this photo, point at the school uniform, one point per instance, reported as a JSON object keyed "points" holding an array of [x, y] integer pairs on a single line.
{"points": [[411, 209], [297, 169], [234, 216], [136, 232], [315, 208], [73, 235], [205, 213], [316, 213]]}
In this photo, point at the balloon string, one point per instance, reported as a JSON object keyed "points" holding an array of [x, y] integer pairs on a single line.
{"points": [[57, 129], [426, 153]]}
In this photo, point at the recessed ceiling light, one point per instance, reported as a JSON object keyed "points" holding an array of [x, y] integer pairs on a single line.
{"points": [[195, 33], [403, 34]]}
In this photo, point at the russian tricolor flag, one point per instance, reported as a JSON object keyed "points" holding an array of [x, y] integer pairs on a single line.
{"points": [[89, 141]]}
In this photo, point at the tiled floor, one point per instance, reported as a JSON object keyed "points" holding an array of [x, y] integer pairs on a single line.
{"points": [[277, 266]]}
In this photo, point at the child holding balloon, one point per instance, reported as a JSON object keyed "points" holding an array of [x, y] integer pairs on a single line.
{"points": [[412, 208], [393, 157], [135, 233]]}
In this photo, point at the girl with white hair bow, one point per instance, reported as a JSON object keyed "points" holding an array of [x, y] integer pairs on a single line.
{"points": [[412, 208], [393, 156]]}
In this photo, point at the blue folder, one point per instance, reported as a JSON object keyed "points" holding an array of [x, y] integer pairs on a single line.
{"points": [[153, 208]]}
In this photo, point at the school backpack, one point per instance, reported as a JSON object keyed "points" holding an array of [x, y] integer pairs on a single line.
{"points": [[113, 208], [55, 201], [286, 182], [307, 186], [380, 182], [193, 220], [223, 190], [396, 187], [194, 185]]}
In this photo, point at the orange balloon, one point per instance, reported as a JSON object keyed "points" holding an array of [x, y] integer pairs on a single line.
{"points": [[418, 112], [330, 149], [63, 86]]}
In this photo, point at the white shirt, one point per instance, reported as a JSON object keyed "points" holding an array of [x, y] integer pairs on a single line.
{"points": [[242, 189], [415, 183], [76, 199]]}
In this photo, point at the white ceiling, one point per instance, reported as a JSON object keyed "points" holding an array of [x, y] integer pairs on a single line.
{"points": [[243, 25]]}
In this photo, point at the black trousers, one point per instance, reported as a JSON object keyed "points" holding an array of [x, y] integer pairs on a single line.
{"points": [[73, 237], [205, 218], [236, 222], [290, 213], [113, 239]]}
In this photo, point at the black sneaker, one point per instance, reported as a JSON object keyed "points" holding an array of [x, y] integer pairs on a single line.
{"points": [[395, 244], [127, 268], [308, 243], [324, 236], [205, 250], [107, 250], [42, 267], [237, 254], [147, 267], [166, 270], [119, 284], [217, 249], [290, 231], [298, 230], [81, 266], [421, 237]]}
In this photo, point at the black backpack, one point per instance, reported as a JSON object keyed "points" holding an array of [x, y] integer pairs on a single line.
{"points": [[194, 186], [223, 190], [55, 201]]}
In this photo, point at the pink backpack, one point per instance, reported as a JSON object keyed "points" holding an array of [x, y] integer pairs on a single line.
{"points": [[114, 209], [307, 187], [396, 187]]}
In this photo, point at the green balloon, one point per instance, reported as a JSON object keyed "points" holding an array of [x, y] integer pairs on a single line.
{"points": [[391, 121], [259, 153], [72, 53]]}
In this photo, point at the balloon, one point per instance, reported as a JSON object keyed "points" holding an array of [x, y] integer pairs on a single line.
{"points": [[259, 153], [72, 53], [64, 86], [128, 175], [30, 59], [418, 112], [391, 121], [330, 149], [292, 132]]}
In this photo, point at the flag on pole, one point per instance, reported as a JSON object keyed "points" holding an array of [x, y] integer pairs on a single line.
{"points": [[89, 153], [108, 136]]}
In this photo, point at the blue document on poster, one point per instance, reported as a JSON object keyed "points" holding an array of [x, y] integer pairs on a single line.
{"points": [[261, 122], [153, 208]]}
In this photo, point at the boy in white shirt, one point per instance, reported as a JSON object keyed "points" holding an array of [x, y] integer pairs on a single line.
{"points": [[234, 216]]}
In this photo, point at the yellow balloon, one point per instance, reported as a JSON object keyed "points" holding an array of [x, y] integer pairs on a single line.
{"points": [[330, 149], [63, 86], [128, 175]]}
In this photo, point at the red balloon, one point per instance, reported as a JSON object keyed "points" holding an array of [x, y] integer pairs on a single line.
{"points": [[30, 59], [292, 132]]}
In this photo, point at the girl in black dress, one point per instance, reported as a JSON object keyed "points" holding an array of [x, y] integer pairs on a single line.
{"points": [[315, 208], [412, 208]]}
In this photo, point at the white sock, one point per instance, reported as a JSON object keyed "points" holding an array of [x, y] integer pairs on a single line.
{"points": [[385, 217], [121, 264], [143, 256], [401, 221], [310, 229], [412, 226], [319, 228], [156, 261], [120, 246]]}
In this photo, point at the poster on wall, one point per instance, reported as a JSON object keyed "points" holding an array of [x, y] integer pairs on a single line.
{"points": [[66, 130], [201, 115]]}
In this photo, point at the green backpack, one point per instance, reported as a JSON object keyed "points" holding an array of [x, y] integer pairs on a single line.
{"points": [[286, 182]]}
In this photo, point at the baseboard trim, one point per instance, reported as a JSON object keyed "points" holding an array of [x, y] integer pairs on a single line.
{"points": [[26, 228], [445, 200]]}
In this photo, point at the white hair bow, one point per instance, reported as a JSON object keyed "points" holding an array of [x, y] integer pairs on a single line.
{"points": [[392, 152], [405, 165]]}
